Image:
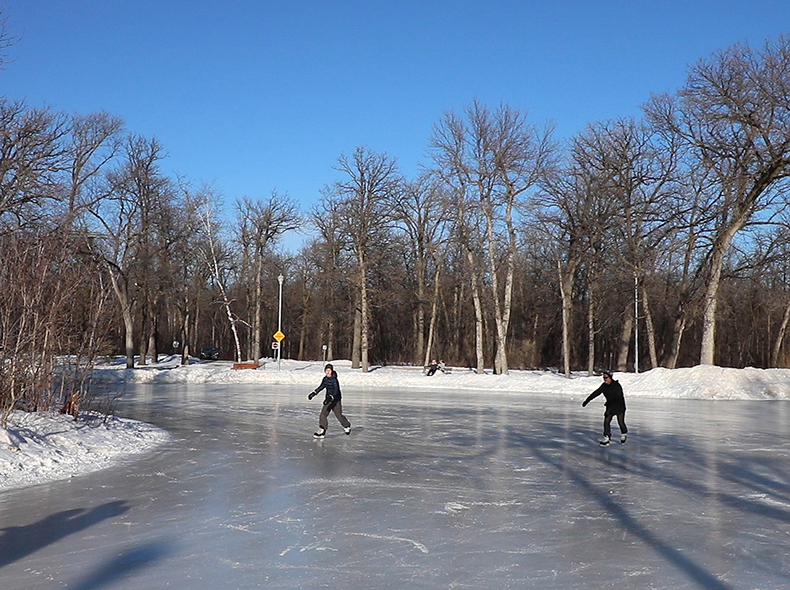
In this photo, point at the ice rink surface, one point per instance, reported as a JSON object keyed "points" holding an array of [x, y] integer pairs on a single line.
{"points": [[431, 490]]}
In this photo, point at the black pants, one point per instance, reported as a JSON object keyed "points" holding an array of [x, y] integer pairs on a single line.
{"points": [[607, 421], [337, 408]]}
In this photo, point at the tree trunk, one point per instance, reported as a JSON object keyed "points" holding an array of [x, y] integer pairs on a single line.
{"points": [[678, 330], [330, 339], [455, 323], [185, 333], [711, 300], [232, 321], [780, 337], [651, 330], [142, 353], [153, 345], [625, 337], [479, 353], [591, 330], [302, 337], [434, 313], [257, 329], [356, 345], [419, 323], [364, 320], [122, 292], [566, 295], [501, 309]]}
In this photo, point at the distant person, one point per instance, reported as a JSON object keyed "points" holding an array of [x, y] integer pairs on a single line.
{"points": [[432, 368], [442, 366], [331, 403], [614, 406]]}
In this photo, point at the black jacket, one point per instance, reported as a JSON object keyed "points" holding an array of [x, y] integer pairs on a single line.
{"points": [[613, 392], [332, 386]]}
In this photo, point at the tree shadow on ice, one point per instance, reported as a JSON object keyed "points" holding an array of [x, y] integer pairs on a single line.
{"points": [[125, 564], [17, 542], [693, 570], [745, 480]]}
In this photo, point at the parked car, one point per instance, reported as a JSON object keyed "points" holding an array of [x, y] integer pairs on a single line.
{"points": [[210, 353]]}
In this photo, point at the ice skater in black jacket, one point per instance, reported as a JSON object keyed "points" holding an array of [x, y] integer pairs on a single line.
{"points": [[615, 406], [331, 402]]}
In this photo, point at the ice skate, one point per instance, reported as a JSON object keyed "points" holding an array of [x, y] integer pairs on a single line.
{"points": [[347, 429], [623, 438], [604, 442], [320, 433]]}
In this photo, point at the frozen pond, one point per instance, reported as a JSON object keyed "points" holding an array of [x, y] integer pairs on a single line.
{"points": [[431, 490]]}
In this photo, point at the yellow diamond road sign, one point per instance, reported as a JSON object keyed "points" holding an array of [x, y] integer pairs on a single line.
{"points": [[278, 336]]}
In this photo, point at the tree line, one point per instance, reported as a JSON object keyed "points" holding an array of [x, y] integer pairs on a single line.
{"points": [[640, 242]]}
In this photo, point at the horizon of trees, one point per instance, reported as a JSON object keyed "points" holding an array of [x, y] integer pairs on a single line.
{"points": [[664, 237]]}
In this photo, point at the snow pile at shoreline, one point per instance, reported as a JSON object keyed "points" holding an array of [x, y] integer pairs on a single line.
{"points": [[701, 382], [42, 447]]}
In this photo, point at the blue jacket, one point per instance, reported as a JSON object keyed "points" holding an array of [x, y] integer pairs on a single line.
{"points": [[332, 386]]}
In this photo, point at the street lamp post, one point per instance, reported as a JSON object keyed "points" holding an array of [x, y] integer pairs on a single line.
{"points": [[280, 319], [636, 323]]}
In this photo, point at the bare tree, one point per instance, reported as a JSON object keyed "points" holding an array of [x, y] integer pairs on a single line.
{"points": [[260, 224], [217, 259], [363, 195], [564, 217], [51, 301], [307, 268], [494, 158], [734, 116], [449, 151], [332, 272], [6, 39], [640, 176], [95, 141], [130, 238], [44, 287], [32, 156], [420, 210], [578, 214], [189, 275]]}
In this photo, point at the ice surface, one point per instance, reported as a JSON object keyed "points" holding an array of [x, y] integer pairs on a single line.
{"points": [[432, 489], [43, 447]]}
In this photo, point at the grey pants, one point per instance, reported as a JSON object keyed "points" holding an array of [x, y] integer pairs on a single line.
{"points": [[337, 408]]}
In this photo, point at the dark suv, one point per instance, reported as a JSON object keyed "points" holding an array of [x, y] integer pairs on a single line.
{"points": [[210, 353]]}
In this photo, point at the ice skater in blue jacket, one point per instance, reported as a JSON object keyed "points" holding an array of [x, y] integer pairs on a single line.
{"points": [[331, 402]]}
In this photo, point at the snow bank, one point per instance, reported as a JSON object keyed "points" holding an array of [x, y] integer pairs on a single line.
{"points": [[701, 382], [42, 447]]}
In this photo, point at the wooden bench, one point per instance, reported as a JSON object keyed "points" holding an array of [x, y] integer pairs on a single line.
{"points": [[248, 365]]}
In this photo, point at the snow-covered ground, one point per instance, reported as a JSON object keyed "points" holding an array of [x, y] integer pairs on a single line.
{"points": [[701, 382], [45, 447]]}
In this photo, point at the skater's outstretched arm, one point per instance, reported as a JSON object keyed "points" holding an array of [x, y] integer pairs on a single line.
{"points": [[317, 390], [592, 396]]}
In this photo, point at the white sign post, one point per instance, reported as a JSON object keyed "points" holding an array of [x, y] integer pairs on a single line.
{"points": [[279, 319]]}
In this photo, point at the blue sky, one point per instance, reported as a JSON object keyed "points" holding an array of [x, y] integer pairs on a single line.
{"points": [[255, 95]]}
